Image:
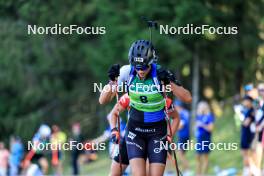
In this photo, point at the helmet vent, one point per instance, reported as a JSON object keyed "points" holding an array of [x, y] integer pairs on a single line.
{"points": [[141, 49]]}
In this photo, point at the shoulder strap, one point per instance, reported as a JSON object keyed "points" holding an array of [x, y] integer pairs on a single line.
{"points": [[155, 76], [132, 75]]}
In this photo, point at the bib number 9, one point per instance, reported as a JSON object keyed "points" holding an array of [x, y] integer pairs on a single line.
{"points": [[143, 99]]}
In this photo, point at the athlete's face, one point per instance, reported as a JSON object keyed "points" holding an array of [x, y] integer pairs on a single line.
{"points": [[247, 103], [143, 73]]}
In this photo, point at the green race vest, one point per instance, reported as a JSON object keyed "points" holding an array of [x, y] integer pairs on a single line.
{"points": [[144, 96]]}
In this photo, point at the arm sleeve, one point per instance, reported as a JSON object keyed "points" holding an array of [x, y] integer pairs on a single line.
{"points": [[169, 103], [124, 74], [124, 101]]}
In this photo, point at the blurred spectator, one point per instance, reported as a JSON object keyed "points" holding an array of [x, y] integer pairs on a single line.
{"points": [[204, 128], [57, 139], [36, 156], [261, 94], [261, 109], [76, 137], [183, 133], [4, 156], [259, 127], [16, 155], [250, 90], [247, 135]]}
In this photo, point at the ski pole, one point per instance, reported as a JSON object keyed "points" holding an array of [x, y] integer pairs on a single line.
{"points": [[118, 126], [170, 130]]}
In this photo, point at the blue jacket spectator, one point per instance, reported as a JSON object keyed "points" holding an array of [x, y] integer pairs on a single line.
{"points": [[16, 155]]}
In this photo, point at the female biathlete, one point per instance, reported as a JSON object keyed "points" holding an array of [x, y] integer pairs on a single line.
{"points": [[121, 106], [147, 127]]}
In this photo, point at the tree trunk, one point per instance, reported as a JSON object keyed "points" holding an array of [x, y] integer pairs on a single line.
{"points": [[195, 81]]}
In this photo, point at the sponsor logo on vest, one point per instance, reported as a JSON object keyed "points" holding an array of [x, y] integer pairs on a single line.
{"points": [[131, 135], [158, 150], [133, 143], [145, 130], [156, 141]]}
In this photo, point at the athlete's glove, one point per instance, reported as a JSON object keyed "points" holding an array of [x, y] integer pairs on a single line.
{"points": [[115, 136], [173, 79], [167, 76], [164, 75], [114, 72]]}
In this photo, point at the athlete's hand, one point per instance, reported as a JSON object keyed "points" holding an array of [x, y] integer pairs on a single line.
{"points": [[164, 76], [115, 136], [172, 78], [114, 72]]}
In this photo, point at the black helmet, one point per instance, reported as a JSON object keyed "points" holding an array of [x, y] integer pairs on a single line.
{"points": [[141, 53]]}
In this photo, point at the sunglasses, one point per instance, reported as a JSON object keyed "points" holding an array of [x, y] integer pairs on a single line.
{"points": [[142, 67], [261, 90]]}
